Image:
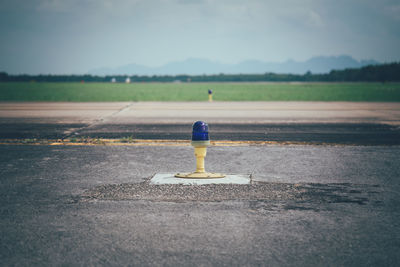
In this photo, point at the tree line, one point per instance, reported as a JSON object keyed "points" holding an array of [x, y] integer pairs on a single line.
{"points": [[374, 73]]}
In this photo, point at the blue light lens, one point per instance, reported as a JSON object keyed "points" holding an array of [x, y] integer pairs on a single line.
{"points": [[209, 91], [200, 131]]}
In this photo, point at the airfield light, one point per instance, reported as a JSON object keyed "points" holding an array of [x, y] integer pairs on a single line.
{"points": [[210, 95], [200, 141]]}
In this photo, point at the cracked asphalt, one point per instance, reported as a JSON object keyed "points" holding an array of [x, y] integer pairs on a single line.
{"points": [[336, 204]]}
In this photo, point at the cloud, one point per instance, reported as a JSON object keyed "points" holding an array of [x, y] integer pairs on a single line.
{"points": [[393, 11], [314, 19], [57, 5], [191, 2], [77, 6]]}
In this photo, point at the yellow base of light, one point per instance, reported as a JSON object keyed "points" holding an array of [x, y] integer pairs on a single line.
{"points": [[200, 175], [210, 98], [200, 152]]}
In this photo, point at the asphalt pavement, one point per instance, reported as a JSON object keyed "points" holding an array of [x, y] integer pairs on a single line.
{"points": [[315, 122], [331, 133], [215, 112], [93, 205], [331, 201]]}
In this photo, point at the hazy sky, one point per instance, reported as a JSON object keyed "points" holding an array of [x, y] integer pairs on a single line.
{"points": [[74, 36]]}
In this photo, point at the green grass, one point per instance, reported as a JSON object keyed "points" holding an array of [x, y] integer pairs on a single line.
{"points": [[88, 92]]}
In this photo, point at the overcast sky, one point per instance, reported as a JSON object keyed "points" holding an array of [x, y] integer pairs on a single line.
{"points": [[74, 36]]}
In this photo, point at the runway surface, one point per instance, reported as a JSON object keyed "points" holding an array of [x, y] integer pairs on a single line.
{"points": [[306, 206], [325, 194], [315, 122], [215, 112]]}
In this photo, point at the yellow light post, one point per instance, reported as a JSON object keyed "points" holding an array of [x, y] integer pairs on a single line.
{"points": [[200, 141], [210, 95]]}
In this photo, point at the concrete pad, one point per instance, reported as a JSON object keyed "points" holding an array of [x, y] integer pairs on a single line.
{"points": [[169, 178]]}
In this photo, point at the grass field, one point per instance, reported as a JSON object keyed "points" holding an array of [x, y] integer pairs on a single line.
{"points": [[88, 92]]}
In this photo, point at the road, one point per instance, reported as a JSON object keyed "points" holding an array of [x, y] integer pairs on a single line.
{"points": [[333, 203]]}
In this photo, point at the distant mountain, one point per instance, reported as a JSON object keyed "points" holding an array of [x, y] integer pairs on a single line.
{"points": [[197, 66]]}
